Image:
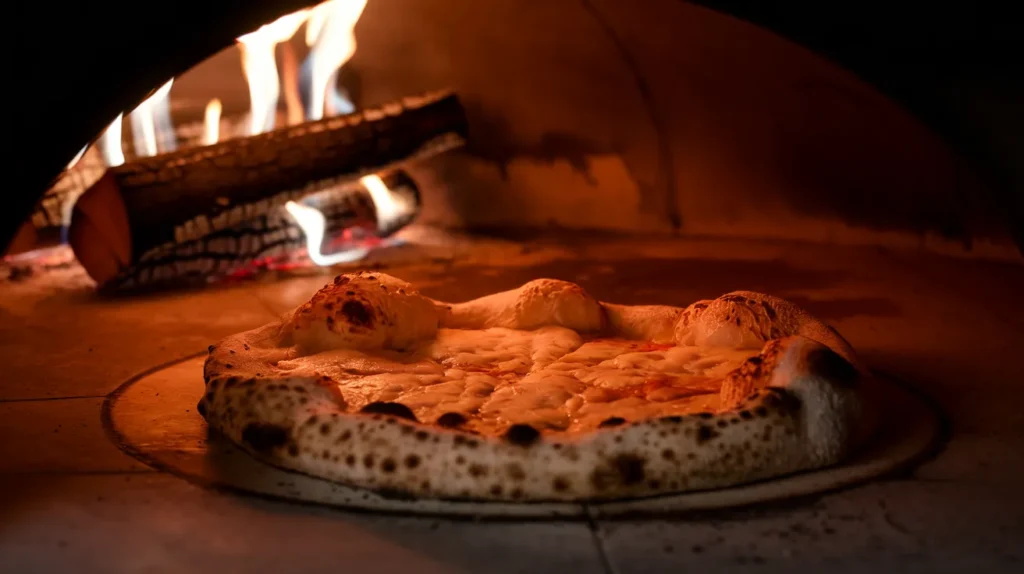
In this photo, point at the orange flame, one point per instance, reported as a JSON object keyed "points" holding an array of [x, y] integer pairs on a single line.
{"points": [[313, 224], [110, 143], [389, 207], [331, 35], [78, 156], [260, 67], [144, 119], [211, 122]]}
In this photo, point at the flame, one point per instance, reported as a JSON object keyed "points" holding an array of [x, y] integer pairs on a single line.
{"points": [[260, 67], [110, 143], [211, 122], [387, 205], [313, 225], [290, 79], [144, 120], [78, 156], [330, 34]]}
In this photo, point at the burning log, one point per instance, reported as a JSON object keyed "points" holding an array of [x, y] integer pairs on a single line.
{"points": [[144, 209], [270, 236]]}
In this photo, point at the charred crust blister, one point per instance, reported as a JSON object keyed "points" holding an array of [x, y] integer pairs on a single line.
{"points": [[630, 468], [705, 434], [263, 437], [391, 409], [522, 435], [357, 313], [612, 422]]}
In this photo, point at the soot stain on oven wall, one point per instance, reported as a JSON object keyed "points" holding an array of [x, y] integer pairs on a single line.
{"points": [[492, 139]]}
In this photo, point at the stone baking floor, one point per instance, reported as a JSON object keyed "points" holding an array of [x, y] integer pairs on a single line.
{"points": [[71, 501]]}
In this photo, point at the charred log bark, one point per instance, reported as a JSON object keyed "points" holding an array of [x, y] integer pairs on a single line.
{"points": [[272, 234], [155, 202]]}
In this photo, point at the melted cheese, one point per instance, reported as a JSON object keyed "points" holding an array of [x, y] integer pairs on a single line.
{"points": [[550, 378]]}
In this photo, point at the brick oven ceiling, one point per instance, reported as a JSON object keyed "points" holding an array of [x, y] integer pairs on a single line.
{"points": [[77, 65]]}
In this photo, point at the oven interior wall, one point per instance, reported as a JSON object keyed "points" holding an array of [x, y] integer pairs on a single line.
{"points": [[666, 118]]}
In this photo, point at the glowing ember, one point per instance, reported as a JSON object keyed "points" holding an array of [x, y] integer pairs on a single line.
{"points": [[331, 37], [211, 122], [110, 143], [260, 68], [144, 118]]}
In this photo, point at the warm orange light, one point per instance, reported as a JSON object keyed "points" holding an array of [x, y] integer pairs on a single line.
{"points": [[260, 67], [211, 122]]}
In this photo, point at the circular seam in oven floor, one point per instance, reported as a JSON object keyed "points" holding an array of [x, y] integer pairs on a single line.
{"points": [[152, 417]]}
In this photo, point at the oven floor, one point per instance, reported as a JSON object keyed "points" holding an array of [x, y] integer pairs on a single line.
{"points": [[70, 500]]}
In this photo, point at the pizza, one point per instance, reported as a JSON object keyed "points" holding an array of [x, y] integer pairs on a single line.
{"points": [[541, 393]]}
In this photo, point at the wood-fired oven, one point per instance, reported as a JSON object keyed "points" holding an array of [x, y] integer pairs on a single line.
{"points": [[858, 162]]}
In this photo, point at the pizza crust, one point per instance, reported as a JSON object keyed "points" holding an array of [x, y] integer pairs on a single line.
{"points": [[795, 401]]}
